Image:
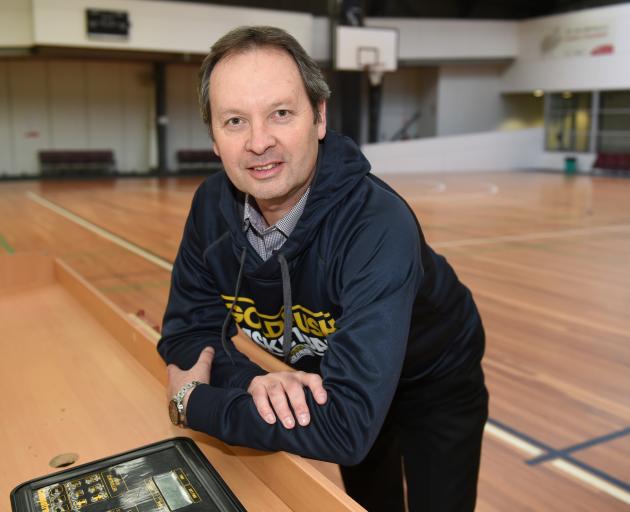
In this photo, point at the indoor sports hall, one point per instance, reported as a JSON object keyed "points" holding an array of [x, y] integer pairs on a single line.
{"points": [[504, 125]]}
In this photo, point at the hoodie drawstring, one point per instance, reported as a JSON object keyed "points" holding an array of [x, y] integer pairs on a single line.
{"points": [[288, 307], [228, 318], [286, 299]]}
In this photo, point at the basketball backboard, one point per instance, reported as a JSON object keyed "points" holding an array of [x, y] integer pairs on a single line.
{"points": [[361, 48]]}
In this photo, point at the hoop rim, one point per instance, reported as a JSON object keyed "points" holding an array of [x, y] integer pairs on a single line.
{"points": [[375, 72]]}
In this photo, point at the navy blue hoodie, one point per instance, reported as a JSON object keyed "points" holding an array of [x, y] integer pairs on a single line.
{"points": [[373, 308]]}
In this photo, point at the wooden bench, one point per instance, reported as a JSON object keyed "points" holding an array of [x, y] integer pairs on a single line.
{"points": [[59, 162], [616, 162], [197, 160]]}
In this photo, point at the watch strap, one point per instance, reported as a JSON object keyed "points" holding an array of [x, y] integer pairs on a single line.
{"points": [[179, 399]]}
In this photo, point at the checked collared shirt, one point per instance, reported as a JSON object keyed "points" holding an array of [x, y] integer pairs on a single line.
{"points": [[266, 239]]}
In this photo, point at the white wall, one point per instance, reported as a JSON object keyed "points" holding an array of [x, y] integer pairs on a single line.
{"points": [[468, 99], [320, 50], [404, 92], [554, 52], [74, 104], [185, 128], [191, 28], [555, 160], [490, 151], [159, 26], [443, 40], [16, 24]]}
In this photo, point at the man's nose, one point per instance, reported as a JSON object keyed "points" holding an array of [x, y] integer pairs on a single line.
{"points": [[260, 138]]}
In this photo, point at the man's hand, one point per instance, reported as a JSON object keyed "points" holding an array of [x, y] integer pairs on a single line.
{"points": [[274, 388], [199, 372]]}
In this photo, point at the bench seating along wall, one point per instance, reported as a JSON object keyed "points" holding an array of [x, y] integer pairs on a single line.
{"points": [[55, 162], [613, 162], [197, 160]]}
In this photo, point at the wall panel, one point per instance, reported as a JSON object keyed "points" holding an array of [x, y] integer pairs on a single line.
{"points": [[185, 128], [138, 116], [67, 97], [104, 108], [583, 50], [468, 99], [29, 91], [75, 104], [6, 121], [406, 92]]}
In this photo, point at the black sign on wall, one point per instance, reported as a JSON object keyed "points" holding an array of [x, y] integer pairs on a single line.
{"points": [[107, 23]]}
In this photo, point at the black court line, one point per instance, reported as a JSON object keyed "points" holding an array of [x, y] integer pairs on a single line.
{"points": [[565, 456], [581, 446], [598, 473]]}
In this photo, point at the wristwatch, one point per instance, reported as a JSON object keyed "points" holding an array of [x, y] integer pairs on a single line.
{"points": [[176, 405]]}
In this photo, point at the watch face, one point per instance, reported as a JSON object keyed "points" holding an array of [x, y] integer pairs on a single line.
{"points": [[173, 412]]}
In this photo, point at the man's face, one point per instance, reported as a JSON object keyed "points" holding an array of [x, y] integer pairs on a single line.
{"points": [[263, 126]]}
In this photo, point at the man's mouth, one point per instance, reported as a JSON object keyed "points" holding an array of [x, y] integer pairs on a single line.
{"points": [[265, 171], [265, 167]]}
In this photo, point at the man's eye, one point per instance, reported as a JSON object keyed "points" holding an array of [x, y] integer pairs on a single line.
{"points": [[282, 113], [233, 121]]}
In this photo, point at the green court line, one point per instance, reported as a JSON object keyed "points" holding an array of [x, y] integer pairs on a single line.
{"points": [[6, 245]]}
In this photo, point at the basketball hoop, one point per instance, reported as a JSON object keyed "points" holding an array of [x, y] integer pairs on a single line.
{"points": [[375, 73]]}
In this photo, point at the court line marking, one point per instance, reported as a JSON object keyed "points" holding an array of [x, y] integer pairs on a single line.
{"points": [[103, 233], [585, 476], [492, 428], [439, 187], [561, 452], [508, 438], [566, 233], [6, 245], [566, 463], [434, 185]]}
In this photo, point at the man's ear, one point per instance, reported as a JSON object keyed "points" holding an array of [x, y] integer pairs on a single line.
{"points": [[215, 148], [321, 121]]}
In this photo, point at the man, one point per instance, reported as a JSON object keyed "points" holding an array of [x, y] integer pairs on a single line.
{"points": [[387, 341]]}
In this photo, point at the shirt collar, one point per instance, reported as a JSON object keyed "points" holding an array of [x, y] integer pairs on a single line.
{"points": [[286, 225]]}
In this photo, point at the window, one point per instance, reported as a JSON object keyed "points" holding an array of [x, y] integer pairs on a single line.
{"points": [[568, 121], [614, 122]]}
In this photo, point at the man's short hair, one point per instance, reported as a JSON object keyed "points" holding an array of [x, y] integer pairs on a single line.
{"points": [[243, 39]]}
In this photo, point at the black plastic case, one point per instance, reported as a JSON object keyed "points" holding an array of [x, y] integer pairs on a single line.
{"points": [[171, 475]]}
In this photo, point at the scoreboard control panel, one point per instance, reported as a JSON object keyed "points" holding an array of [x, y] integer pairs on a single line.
{"points": [[172, 475]]}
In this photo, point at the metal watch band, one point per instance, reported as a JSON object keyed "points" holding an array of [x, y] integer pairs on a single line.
{"points": [[179, 399], [180, 394]]}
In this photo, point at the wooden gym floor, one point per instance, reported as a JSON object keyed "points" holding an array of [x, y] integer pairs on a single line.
{"points": [[547, 258]]}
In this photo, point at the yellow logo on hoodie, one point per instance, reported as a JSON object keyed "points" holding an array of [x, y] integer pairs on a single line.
{"points": [[309, 327]]}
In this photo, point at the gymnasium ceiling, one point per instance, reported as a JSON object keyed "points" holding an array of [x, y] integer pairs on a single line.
{"points": [[463, 9]]}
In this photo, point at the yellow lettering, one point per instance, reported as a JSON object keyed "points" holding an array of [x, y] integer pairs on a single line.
{"points": [[318, 324], [273, 328], [314, 328], [327, 326], [299, 320], [251, 318], [237, 313]]}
